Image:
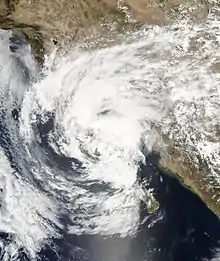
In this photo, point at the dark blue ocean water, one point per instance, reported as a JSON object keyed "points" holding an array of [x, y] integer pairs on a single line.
{"points": [[186, 231], [182, 229]]}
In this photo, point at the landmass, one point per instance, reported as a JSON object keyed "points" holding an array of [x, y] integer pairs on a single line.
{"points": [[45, 23]]}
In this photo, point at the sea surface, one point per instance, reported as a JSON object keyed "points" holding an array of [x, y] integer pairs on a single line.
{"points": [[77, 167]]}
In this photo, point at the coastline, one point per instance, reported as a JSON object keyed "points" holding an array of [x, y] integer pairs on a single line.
{"points": [[54, 25]]}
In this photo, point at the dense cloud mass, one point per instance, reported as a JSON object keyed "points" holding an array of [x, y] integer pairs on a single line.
{"points": [[76, 138]]}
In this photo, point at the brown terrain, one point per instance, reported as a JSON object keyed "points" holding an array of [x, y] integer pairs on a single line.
{"points": [[64, 20], [47, 22], [193, 171]]}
